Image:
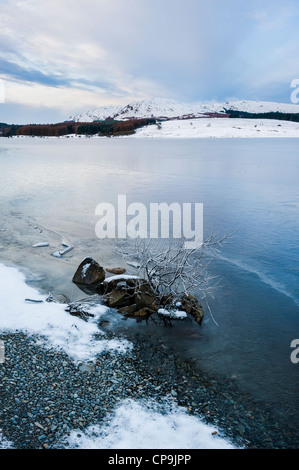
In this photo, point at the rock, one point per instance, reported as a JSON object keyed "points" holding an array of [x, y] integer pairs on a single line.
{"points": [[128, 310], [108, 286], [131, 296], [142, 313], [241, 429], [145, 297], [117, 298], [89, 272], [191, 306], [86, 368], [2, 352], [38, 425], [116, 270], [116, 293]]}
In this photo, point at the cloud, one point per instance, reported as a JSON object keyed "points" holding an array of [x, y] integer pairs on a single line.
{"points": [[54, 44], [73, 53]]}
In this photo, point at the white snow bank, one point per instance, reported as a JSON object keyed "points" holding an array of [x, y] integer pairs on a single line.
{"points": [[144, 425], [50, 320]]}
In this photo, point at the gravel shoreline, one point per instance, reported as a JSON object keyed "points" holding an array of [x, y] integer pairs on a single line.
{"points": [[44, 395]]}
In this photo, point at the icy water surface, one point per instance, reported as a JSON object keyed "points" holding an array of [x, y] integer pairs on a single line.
{"points": [[50, 188]]}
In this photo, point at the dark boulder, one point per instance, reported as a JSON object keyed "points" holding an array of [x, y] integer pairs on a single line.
{"points": [[89, 273]]}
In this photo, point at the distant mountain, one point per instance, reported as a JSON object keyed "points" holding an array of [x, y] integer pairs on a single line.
{"points": [[160, 108]]}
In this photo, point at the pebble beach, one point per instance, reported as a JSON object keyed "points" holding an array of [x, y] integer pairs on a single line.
{"points": [[46, 397]]}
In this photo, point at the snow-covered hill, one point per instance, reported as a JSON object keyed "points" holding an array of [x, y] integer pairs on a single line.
{"points": [[166, 108]]}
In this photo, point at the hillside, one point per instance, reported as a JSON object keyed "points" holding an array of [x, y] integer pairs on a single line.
{"points": [[169, 109]]}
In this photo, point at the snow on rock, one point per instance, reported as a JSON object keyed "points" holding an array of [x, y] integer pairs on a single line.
{"points": [[175, 314], [120, 277]]}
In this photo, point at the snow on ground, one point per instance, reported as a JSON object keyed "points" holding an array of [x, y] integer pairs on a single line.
{"points": [[221, 128], [50, 320], [145, 425], [4, 443]]}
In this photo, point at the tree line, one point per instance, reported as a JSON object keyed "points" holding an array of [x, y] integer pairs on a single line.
{"points": [[270, 115], [102, 128]]}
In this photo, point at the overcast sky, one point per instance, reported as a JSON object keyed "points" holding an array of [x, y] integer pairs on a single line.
{"points": [[60, 57]]}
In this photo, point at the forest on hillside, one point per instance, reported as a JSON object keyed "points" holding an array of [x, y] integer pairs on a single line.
{"points": [[102, 128]]}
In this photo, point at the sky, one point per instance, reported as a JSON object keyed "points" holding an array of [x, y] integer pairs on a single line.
{"points": [[59, 58]]}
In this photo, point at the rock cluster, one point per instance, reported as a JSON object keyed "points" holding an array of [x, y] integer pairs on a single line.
{"points": [[130, 295]]}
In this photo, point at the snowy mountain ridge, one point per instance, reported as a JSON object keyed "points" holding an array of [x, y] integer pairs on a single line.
{"points": [[170, 109]]}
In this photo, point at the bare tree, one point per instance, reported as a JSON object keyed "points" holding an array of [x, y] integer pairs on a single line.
{"points": [[174, 272]]}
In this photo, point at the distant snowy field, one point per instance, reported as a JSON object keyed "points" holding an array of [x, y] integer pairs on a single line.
{"points": [[134, 424], [221, 128]]}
